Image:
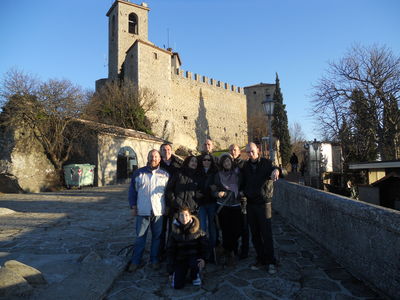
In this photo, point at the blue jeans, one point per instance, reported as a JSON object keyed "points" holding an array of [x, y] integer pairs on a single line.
{"points": [[143, 223], [207, 221]]}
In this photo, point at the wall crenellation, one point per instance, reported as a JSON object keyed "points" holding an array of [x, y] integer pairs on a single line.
{"points": [[206, 80]]}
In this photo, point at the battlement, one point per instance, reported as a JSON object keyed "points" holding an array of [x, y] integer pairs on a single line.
{"points": [[206, 80]]}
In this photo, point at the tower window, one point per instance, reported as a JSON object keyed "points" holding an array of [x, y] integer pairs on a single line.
{"points": [[155, 55], [133, 23]]}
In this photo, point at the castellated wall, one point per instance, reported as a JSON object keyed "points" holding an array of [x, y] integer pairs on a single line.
{"points": [[203, 107], [189, 107]]}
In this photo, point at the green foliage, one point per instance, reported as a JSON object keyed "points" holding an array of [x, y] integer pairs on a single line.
{"points": [[363, 135], [280, 127]]}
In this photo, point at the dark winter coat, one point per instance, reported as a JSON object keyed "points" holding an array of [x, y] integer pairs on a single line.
{"points": [[206, 181], [173, 167], [257, 181], [186, 241], [183, 189]]}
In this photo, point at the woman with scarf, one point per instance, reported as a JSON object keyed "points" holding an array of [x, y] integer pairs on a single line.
{"points": [[227, 182], [183, 188]]}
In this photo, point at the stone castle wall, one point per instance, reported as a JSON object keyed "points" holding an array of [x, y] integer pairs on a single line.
{"points": [[189, 107]]}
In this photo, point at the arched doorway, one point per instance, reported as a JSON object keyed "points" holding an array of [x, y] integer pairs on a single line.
{"points": [[126, 164]]}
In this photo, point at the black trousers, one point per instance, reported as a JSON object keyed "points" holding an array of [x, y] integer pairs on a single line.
{"points": [[166, 230], [261, 233], [230, 220], [180, 270], [245, 236]]}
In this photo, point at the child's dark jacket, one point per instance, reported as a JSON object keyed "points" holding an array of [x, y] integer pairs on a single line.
{"points": [[186, 241]]}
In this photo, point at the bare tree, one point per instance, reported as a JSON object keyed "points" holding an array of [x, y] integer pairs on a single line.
{"points": [[374, 71], [297, 138], [121, 103], [47, 109]]}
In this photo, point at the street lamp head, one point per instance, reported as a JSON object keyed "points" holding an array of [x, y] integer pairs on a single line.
{"points": [[315, 145], [268, 106]]}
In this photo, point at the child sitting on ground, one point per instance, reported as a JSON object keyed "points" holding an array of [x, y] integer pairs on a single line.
{"points": [[187, 249]]}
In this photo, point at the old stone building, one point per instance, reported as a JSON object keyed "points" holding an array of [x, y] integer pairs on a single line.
{"points": [[189, 107]]}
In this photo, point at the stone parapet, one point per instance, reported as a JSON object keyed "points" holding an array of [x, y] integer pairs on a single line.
{"points": [[206, 80], [363, 237]]}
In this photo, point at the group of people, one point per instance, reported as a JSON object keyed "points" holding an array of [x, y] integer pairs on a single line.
{"points": [[201, 204]]}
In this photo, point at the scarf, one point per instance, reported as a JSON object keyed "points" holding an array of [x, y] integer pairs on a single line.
{"points": [[230, 181]]}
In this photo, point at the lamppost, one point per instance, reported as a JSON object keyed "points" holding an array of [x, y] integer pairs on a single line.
{"points": [[315, 146], [268, 106]]}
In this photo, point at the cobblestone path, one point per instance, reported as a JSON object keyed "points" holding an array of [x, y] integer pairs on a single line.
{"points": [[65, 234]]}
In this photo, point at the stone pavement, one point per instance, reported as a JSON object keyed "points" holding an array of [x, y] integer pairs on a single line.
{"points": [[74, 237]]}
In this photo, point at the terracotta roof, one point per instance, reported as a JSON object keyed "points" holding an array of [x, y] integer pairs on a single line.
{"points": [[261, 84], [148, 44], [125, 132]]}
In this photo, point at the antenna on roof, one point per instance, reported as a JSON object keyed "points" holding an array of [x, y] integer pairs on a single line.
{"points": [[167, 37]]}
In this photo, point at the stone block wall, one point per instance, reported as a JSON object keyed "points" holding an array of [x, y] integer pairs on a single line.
{"points": [[363, 237], [108, 148]]}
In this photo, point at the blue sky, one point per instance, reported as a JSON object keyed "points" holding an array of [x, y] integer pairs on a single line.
{"points": [[239, 42]]}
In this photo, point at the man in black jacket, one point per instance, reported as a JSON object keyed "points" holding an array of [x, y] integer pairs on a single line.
{"points": [[171, 164], [258, 176], [169, 161]]}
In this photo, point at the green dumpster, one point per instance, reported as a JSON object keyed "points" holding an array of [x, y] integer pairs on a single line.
{"points": [[79, 175]]}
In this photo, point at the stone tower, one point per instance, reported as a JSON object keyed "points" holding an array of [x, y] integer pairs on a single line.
{"points": [[127, 22]]}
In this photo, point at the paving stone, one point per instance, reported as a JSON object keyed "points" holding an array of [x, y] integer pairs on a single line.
{"points": [[256, 294], [344, 297], [227, 292], [32, 275], [238, 282], [54, 232], [358, 288], [339, 274], [277, 286], [308, 293], [12, 284], [321, 284]]}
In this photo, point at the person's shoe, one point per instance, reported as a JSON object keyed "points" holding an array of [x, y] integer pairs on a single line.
{"points": [[243, 255], [256, 266], [271, 269], [133, 268], [197, 281]]}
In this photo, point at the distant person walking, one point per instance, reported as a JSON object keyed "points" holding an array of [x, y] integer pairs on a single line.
{"points": [[147, 203], [258, 177], [294, 161]]}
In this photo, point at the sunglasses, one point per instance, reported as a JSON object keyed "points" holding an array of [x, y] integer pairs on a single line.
{"points": [[206, 159]]}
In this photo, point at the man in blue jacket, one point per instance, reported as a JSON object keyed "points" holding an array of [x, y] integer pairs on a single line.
{"points": [[147, 203]]}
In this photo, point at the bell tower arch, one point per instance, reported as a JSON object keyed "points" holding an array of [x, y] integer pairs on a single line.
{"points": [[127, 22]]}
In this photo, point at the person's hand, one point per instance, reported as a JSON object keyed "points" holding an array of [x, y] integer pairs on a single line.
{"points": [[134, 211], [275, 175], [201, 263], [221, 194]]}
